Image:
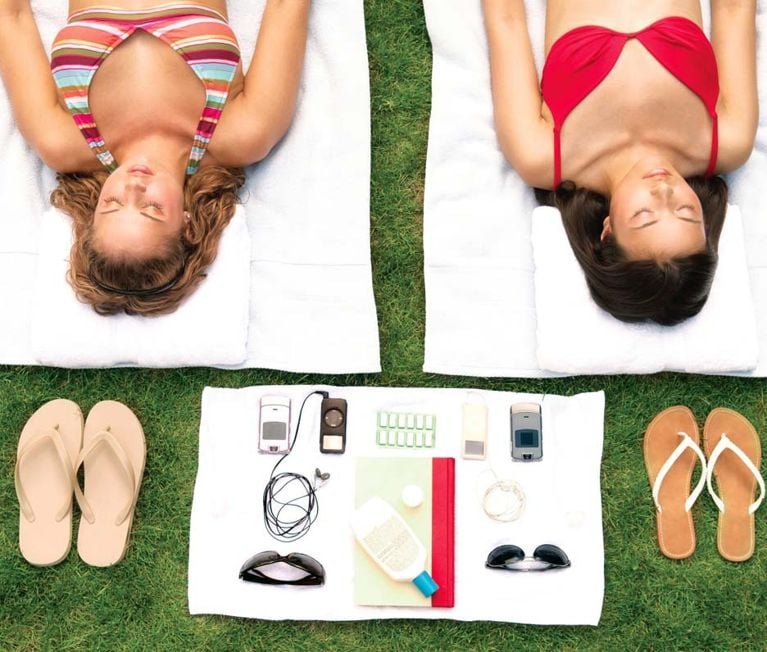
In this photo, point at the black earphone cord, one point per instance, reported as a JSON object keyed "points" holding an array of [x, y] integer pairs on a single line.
{"points": [[291, 529]]}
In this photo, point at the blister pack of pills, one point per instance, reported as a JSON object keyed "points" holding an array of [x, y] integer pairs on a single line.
{"points": [[406, 430]]}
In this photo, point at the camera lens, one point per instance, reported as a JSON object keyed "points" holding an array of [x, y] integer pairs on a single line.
{"points": [[333, 417]]}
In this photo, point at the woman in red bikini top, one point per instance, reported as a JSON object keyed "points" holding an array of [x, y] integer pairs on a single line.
{"points": [[146, 113], [635, 114]]}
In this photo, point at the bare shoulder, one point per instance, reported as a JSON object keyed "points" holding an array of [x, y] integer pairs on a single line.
{"points": [[737, 134], [538, 171], [240, 138], [531, 154], [59, 143]]}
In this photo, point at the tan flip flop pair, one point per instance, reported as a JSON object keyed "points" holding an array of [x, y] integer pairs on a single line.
{"points": [[54, 443], [671, 452]]}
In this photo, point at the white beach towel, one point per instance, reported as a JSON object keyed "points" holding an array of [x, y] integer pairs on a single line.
{"points": [[307, 208], [563, 508], [211, 327], [575, 336], [478, 258]]}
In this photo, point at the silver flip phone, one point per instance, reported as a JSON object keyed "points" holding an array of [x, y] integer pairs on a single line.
{"points": [[274, 424], [526, 432]]}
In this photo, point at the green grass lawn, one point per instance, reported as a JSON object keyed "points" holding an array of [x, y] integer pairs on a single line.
{"points": [[650, 602]]}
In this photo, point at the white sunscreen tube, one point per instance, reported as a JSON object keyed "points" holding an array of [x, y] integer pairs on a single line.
{"points": [[390, 542]]}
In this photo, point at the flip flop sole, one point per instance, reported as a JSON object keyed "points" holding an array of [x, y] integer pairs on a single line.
{"points": [[46, 541], [106, 488], [675, 529], [736, 486]]}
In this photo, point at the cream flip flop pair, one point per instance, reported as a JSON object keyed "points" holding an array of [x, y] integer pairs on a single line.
{"points": [[671, 450], [53, 445]]}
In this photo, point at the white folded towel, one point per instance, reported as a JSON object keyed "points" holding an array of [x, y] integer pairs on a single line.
{"points": [[308, 211], [478, 260], [307, 208], [210, 327], [575, 336]]}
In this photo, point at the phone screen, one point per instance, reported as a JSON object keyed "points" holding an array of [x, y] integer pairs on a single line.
{"points": [[527, 438]]}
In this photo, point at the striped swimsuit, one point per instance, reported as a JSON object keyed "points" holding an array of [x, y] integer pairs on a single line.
{"points": [[199, 34]]}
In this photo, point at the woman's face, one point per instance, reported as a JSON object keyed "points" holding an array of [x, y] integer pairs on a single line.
{"points": [[655, 214], [140, 208]]}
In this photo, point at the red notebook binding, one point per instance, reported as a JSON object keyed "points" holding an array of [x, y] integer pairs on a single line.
{"points": [[443, 531]]}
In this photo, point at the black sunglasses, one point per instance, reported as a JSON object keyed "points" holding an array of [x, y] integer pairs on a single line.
{"points": [[545, 557], [315, 573]]}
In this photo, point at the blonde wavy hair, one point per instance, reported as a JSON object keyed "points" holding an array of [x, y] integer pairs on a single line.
{"points": [[210, 197]]}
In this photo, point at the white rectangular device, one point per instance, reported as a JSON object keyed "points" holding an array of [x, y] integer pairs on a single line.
{"points": [[274, 425], [474, 438]]}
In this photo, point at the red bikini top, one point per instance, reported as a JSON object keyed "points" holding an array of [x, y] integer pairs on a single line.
{"points": [[580, 59]]}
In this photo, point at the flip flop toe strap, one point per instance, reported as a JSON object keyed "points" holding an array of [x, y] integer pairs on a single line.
{"points": [[106, 438], [51, 437], [725, 443], [687, 442]]}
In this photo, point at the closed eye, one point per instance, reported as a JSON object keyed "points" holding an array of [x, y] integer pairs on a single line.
{"points": [[640, 211], [689, 215], [107, 200]]}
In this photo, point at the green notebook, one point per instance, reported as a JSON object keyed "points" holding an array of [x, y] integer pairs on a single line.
{"points": [[387, 477]]}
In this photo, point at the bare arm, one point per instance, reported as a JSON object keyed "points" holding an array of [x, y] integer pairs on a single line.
{"points": [[524, 135], [733, 36], [255, 121], [26, 73]]}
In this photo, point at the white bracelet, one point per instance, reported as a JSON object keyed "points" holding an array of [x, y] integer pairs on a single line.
{"points": [[514, 500]]}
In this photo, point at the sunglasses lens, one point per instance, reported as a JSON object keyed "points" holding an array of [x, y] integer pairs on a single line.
{"points": [[503, 555], [309, 564], [259, 559], [551, 554]]}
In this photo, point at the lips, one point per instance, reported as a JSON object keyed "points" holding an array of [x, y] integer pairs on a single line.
{"points": [[657, 172], [140, 169]]}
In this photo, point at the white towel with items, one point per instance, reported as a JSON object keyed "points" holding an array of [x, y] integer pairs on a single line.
{"points": [[481, 312], [575, 336], [310, 302], [563, 507]]}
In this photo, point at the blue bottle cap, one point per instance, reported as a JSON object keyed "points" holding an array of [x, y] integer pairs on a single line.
{"points": [[426, 584]]}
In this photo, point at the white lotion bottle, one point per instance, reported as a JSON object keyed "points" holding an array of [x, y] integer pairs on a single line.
{"points": [[390, 542]]}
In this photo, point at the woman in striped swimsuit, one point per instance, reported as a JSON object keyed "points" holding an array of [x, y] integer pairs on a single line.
{"points": [[149, 120]]}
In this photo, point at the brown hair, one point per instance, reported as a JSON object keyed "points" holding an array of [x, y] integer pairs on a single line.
{"points": [[666, 292], [210, 197]]}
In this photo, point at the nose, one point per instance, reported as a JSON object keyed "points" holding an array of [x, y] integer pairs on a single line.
{"points": [[135, 186], [663, 190]]}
